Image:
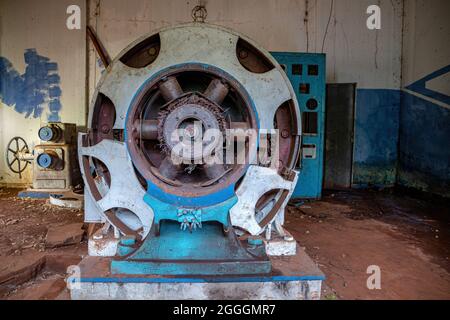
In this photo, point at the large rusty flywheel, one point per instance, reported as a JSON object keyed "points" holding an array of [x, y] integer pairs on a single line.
{"points": [[192, 124]]}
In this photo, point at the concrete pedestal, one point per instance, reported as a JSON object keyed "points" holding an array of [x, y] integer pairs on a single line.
{"points": [[281, 245], [292, 278]]}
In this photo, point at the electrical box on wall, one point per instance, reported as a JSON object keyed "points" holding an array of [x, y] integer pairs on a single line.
{"points": [[307, 73]]}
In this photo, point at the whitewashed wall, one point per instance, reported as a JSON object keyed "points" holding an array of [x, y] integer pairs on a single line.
{"points": [[41, 25], [355, 54]]}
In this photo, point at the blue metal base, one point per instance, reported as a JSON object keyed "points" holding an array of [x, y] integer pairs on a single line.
{"points": [[292, 278], [205, 251], [290, 268], [204, 279], [33, 194]]}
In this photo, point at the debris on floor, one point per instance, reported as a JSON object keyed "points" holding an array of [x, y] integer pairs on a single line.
{"points": [[344, 233], [59, 236], [349, 231], [16, 270], [29, 269]]}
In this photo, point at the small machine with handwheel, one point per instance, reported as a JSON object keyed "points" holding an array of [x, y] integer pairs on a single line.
{"points": [[54, 159]]}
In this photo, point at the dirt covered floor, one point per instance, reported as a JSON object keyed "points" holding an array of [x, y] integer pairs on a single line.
{"points": [[407, 238], [38, 242]]}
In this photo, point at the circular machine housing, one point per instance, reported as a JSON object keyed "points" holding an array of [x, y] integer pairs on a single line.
{"points": [[165, 92]]}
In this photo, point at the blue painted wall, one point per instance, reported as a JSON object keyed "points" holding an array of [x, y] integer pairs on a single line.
{"points": [[32, 91], [376, 137], [403, 137], [424, 157]]}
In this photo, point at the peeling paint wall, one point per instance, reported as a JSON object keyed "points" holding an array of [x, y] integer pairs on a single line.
{"points": [[372, 58], [376, 137], [42, 72], [424, 157], [338, 28], [30, 92]]}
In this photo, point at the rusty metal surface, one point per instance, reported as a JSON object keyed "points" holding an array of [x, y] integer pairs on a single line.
{"points": [[106, 60], [218, 88]]}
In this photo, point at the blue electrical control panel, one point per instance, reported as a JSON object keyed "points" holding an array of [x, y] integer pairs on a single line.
{"points": [[307, 73]]}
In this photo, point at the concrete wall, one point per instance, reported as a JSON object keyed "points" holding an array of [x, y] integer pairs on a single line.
{"points": [[378, 103], [42, 72], [354, 53], [424, 157], [376, 137], [338, 28]]}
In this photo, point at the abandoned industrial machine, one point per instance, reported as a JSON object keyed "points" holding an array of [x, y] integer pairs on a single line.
{"points": [[53, 159], [173, 208]]}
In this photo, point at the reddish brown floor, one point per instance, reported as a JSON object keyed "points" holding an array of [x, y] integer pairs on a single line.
{"points": [[409, 239], [28, 270]]}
